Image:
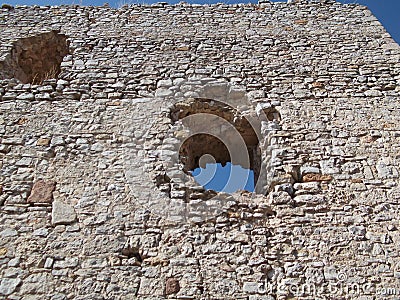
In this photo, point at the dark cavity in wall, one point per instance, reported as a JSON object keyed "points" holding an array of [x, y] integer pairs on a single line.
{"points": [[213, 137], [37, 58]]}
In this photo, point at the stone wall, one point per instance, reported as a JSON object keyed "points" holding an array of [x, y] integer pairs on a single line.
{"points": [[94, 200]]}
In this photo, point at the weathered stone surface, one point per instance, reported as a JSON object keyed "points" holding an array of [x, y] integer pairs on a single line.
{"points": [[69, 262], [3, 251], [309, 170], [311, 87], [24, 162], [172, 286], [162, 92], [94, 263], [251, 287], [12, 141], [316, 177], [43, 142], [42, 192], [62, 213], [48, 264], [8, 232], [26, 96], [8, 285]]}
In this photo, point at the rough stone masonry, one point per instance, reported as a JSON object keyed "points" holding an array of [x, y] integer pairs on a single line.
{"points": [[96, 201]]}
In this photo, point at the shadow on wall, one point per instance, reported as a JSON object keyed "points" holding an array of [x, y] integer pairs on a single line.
{"points": [[35, 59]]}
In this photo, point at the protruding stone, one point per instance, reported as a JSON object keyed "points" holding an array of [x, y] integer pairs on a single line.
{"points": [[24, 162], [251, 287], [62, 213], [316, 177], [8, 232], [172, 286], [48, 263], [164, 83], [279, 198], [162, 92], [373, 93], [309, 170], [358, 231], [68, 262], [94, 263], [4, 148], [3, 251], [26, 96], [13, 141], [42, 192], [183, 48], [43, 142]]}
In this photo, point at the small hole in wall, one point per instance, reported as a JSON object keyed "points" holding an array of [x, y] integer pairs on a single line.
{"points": [[132, 252]]}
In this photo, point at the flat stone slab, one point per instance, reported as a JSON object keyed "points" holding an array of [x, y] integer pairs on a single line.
{"points": [[62, 213], [8, 285], [42, 192], [172, 286]]}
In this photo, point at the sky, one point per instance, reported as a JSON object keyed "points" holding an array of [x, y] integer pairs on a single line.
{"points": [[387, 11], [228, 178]]}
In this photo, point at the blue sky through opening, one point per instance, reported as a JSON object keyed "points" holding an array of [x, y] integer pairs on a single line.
{"points": [[387, 11], [228, 178]]}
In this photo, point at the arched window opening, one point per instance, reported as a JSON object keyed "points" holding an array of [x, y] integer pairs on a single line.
{"points": [[222, 151]]}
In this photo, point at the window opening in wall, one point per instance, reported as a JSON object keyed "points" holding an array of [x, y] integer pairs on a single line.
{"points": [[226, 159], [219, 145]]}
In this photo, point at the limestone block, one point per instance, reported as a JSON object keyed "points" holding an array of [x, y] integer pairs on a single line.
{"points": [[62, 213], [8, 285]]}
